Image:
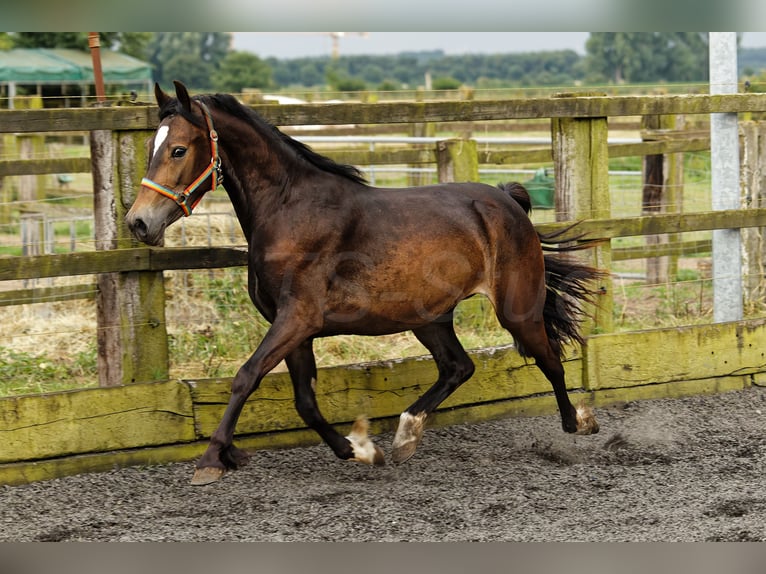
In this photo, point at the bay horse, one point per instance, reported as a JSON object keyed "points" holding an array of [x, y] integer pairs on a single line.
{"points": [[329, 254]]}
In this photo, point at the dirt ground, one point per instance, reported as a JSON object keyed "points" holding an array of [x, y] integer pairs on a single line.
{"points": [[691, 469]]}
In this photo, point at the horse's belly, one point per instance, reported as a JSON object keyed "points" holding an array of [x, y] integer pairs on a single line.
{"points": [[398, 304]]}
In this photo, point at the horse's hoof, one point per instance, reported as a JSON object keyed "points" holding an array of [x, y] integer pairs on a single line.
{"points": [[207, 475], [586, 420], [408, 436], [404, 452], [365, 450]]}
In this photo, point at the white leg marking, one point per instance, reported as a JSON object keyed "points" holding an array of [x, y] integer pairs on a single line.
{"points": [[408, 435], [586, 420], [364, 449]]}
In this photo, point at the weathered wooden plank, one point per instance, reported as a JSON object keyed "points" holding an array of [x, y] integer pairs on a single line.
{"points": [[525, 108], [84, 263], [662, 249], [515, 156], [156, 259], [679, 354], [505, 156], [25, 472], [43, 166], [47, 294], [57, 424], [30, 471], [142, 117], [428, 156], [196, 258], [381, 156], [135, 259], [659, 147], [672, 390], [79, 119], [663, 223], [377, 390]]}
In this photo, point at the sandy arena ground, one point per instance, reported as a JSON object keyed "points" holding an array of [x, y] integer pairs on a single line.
{"points": [[691, 469]]}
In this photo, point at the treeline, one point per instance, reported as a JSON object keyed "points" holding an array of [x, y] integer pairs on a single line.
{"points": [[410, 70], [206, 62]]}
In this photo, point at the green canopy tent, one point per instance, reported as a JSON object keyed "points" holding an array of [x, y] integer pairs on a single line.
{"points": [[38, 66]]}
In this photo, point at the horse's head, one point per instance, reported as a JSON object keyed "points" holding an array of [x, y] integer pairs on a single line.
{"points": [[183, 166]]}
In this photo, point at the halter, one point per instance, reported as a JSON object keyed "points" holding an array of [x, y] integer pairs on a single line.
{"points": [[213, 169]]}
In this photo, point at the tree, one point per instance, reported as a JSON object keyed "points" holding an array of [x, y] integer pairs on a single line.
{"points": [[340, 81], [445, 83], [73, 40], [188, 68], [240, 70], [130, 43], [191, 57], [647, 56]]}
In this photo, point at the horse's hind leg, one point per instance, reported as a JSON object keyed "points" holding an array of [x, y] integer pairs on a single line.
{"points": [[455, 367], [303, 372], [530, 335]]}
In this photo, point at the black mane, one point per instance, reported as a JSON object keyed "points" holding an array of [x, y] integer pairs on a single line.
{"points": [[231, 105]]}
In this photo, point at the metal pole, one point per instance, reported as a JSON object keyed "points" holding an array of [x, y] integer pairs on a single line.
{"points": [[724, 157], [94, 41]]}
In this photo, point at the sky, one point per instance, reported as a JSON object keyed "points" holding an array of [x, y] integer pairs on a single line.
{"points": [[300, 44]]}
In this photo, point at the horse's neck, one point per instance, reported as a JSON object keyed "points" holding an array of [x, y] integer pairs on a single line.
{"points": [[251, 177], [263, 179]]}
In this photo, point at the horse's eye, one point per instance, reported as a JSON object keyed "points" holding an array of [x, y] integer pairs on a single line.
{"points": [[179, 152]]}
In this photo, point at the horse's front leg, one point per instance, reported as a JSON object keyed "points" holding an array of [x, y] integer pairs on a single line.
{"points": [[455, 367], [286, 333], [357, 445]]}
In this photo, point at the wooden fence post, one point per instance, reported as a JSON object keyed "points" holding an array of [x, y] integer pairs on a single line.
{"points": [[132, 336], [31, 191], [753, 183], [674, 186], [581, 166], [420, 130], [652, 197], [457, 160], [663, 181]]}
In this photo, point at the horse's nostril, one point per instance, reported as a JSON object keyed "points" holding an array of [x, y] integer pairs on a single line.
{"points": [[139, 229]]}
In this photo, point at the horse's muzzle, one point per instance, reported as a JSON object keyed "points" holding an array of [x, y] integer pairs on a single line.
{"points": [[140, 230]]}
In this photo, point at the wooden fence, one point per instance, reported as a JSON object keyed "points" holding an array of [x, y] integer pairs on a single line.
{"points": [[140, 417]]}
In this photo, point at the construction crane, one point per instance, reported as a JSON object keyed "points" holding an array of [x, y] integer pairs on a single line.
{"points": [[334, 37]]}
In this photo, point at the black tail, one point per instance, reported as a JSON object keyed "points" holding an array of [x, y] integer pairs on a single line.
{"points": [[569, 284]]}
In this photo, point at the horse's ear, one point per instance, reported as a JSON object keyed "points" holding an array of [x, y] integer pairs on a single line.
{"points": [[183, 95], [161, 97]]}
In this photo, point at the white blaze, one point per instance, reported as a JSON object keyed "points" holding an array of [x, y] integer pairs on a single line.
{"points": [[162, 133]]}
